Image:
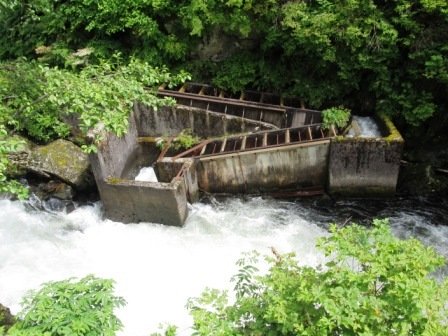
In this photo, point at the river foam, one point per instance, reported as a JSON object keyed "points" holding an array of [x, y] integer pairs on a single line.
{"points": [[157, 268]]}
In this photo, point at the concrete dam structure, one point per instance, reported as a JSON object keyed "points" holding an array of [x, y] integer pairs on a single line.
{"points": [[253, 143]]}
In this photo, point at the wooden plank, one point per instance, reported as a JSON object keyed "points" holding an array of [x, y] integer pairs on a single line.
{"points": [[192, 149], [440, 170], [287, 136], [183, 88], [148, 139], [265, 139], [298, 119], [243, 143], [165, 148], [222, 100], [203, 149], [333, 130], [234, 145], [309, 133], [223, 145]]}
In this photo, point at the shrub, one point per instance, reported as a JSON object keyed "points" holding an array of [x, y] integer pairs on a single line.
{"points": [[372, 284], [7, 146], [69, 307], [185, 140], [335, 116]]}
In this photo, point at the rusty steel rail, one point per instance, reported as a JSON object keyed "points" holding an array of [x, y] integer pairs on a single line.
{"points": [[259, 141], [211, 99]]}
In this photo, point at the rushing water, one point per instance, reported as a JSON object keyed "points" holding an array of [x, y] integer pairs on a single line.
{"points": [[146, 174], [157, 268], [367, 127]]}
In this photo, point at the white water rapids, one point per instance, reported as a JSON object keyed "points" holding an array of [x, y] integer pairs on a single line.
{"points": [[367, 127], [146, 174], [157, 268]]}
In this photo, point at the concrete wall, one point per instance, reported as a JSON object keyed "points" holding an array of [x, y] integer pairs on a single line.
{"points": [[170, 121], [167, 169], [133, 201], [265, 170], [127, 200], [116, 153], [365, 166], [346, 165]]}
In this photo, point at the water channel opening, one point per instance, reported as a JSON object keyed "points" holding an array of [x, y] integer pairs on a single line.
{"points": [[146, 174], [364, 127]]}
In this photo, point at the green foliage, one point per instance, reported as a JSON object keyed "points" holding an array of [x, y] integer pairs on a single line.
{"points": [[169, 330], [7, 146], [335, 116], [38, 99], [185, 140], [84, 307], [144, 28], [236, 74], [371, 284], [382, 56]]}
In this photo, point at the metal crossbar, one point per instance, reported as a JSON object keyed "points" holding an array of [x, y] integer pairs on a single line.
{"points": [[259, 140]]}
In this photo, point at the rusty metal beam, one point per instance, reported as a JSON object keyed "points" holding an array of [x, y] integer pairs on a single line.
{"points": [[192, 149]]}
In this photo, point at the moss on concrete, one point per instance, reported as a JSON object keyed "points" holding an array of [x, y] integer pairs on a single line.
{"points": [[394, 134]]}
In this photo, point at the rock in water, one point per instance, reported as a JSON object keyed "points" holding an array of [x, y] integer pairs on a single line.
{"points": [[6, 318], [64, 160]]}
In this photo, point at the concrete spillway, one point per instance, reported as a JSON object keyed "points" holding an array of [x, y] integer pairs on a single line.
{"points": [[238, 154]]}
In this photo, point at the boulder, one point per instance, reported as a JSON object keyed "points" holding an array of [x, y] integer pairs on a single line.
{"points": [[55, 189], [18, 160], [6, 318], [63, 160]]}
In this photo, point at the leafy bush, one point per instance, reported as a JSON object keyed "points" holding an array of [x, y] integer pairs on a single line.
{"points": [[37, 99], [7, 146], [371, 284], [382, 56], [185, 140], [335, 116], [84, 307]]}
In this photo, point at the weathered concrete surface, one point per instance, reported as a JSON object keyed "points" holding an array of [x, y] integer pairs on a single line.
{"points": [[365, 167], [134, 201], [6, 318], [167, 169], [271, 169], [346, 166], [126, 200], [170, 121], [64, 160]]}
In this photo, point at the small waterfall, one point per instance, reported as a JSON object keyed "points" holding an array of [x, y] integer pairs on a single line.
{"points": [[146, 174], [365, 127]]}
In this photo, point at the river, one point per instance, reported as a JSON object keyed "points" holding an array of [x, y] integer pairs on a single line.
{"points": [[157, 268]]}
